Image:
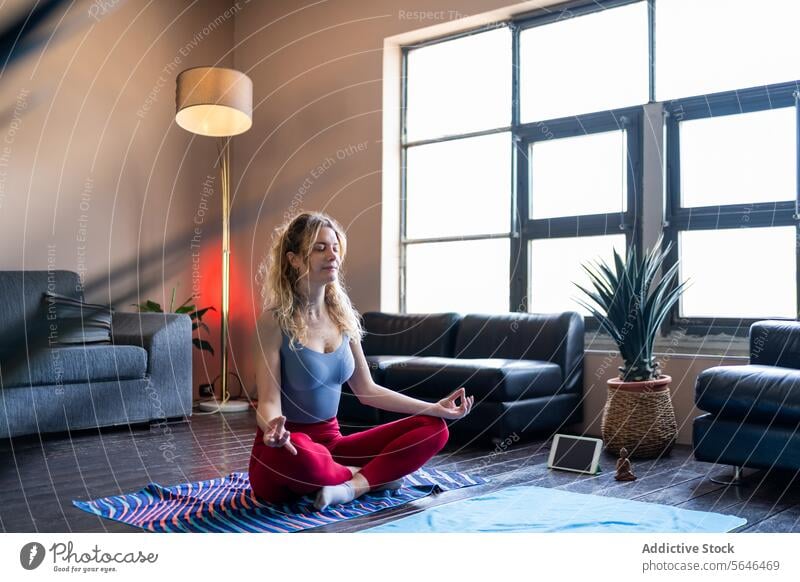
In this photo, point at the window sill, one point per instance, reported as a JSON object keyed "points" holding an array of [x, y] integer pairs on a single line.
{"points": [[680, 345]]}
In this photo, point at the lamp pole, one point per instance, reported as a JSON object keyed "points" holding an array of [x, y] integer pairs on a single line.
{"points": [[226, 262], [225, 403], [218, 102]]}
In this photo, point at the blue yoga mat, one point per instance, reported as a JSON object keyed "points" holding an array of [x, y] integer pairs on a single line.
{"points": [[526, 508]]}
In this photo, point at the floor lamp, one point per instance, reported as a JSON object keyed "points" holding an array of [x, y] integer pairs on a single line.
{"points": [[218, 102]]}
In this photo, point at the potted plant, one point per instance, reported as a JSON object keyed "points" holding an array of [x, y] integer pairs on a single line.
{"points": [[630, 305]]}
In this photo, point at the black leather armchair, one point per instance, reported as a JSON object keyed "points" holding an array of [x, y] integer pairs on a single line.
{"points": [[525, 370], [753, 411]]}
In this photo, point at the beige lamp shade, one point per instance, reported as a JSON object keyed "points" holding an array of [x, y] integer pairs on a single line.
{"points": [[214, 101]]}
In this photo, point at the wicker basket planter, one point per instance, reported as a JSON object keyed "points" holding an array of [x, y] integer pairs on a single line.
{"points": [[639, 416]]}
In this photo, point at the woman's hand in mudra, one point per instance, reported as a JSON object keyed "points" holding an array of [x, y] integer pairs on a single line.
{"points": [[447, 407], [277, 436]]}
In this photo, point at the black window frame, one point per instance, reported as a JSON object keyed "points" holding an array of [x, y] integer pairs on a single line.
{"points": [[628, 222], [522, 228], [405, 144], [763, 214]]}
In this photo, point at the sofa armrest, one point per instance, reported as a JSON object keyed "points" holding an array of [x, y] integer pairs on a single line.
{"points": [[775, 343], [167, 337], [571, 356]]}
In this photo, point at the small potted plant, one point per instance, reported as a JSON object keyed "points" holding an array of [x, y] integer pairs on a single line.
{"points": [[630, 305]]}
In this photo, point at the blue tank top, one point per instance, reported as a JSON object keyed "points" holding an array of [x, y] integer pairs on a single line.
{"points": [[311, 381]]}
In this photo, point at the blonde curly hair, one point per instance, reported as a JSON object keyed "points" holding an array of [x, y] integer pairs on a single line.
{"points": [[279, 279]]}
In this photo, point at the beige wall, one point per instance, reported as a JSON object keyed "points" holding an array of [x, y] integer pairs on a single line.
{"points": [[91, 149]]}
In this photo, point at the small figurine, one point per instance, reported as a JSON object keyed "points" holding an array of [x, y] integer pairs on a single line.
{"points": [[624, 472]]}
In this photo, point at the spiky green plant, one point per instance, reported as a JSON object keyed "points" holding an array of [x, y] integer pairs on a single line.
{"points": [[631, 307]]}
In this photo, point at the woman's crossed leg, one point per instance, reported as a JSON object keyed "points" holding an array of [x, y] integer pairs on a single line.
{"points": [[385, 453], [276, 475], [392, 450]]}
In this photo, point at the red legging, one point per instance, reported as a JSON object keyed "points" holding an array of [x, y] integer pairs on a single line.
{"points": [[385, 453]]}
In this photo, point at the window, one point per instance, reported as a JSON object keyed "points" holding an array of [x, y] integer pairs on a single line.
{"points": [[523, 158], [555, 264], [583, 73], [459, 86], [732, 192], [584, 63], [730, 69], [709, 46], [732, 278], [580, 186], [738, 159], [492, 200], [458, 185], [465, 276], [600, 186]]}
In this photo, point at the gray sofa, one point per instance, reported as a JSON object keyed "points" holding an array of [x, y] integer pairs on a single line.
{"points": [[144, 374]]}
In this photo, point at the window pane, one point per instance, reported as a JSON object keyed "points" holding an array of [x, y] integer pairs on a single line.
{"points": [[755, 276], [707, 46], [464, 276], [458, 86], [737, 159], [459, 187], [556, 262], [587, 63], [578, 175]]}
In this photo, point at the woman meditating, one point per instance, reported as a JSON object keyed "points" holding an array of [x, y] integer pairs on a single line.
{"points": [[309, 343]]}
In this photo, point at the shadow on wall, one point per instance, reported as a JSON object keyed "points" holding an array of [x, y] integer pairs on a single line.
{"points": [[172, 255]]}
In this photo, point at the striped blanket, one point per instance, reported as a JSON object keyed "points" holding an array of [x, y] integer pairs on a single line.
{"points": [[227, 504]]}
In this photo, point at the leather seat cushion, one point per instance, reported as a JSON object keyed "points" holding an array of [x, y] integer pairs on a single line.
{"points": [[488, 379]]}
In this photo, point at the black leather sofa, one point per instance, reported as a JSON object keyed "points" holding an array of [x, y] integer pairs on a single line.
{"points": [[753, 411], [525, 370]]}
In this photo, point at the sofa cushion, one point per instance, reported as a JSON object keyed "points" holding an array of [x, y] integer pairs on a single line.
{"points": [[43, 409], [409, 334], [488, 379], [73, 321], [546, 337], [502, 420], [77, 364], [752, 392], [23, 316], [379, 364]]}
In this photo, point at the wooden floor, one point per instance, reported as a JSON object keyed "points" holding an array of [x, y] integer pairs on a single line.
{"points": [[40, 478]]}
